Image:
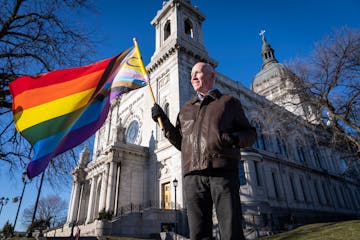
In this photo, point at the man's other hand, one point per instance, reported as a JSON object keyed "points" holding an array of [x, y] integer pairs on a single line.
{"points": [[156, 112], [230, 138]]}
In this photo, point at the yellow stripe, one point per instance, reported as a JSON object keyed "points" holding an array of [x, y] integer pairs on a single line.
{"points": [[58, 90], [53, 109]]}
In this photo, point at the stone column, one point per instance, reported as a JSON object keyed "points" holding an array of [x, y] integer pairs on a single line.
{"points": [[117, 189], [111, 187], [103, 190], [70, 210], [91, 200], [80, 208], [75, 202], [158, 37], [254, 193], [249, 158]]}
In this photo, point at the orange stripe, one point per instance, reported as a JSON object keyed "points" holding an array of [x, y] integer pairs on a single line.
{"points": [[49, 93], [49, 110]]}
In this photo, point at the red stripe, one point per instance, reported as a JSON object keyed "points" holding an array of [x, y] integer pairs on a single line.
{"points": [[28, 82], [37, 96]]}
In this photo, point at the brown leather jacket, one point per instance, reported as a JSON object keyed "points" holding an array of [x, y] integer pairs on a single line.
{"points": [[200, 129]]}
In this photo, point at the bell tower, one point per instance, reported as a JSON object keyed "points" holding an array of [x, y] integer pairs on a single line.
{"points": [[178, 22], [179, 44]]}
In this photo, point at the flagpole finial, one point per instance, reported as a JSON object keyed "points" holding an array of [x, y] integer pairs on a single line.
{"points": [[135, 42]]}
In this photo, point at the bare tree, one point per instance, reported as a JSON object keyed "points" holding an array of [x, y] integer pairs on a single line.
{"points": [[50, 208], [328, 85], [36, 36]]}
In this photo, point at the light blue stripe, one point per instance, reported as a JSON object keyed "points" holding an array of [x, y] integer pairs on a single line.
{"points": [[136, 81]]}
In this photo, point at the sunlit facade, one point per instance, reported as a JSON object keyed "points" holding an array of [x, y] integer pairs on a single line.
{"points": [[285, 179]]}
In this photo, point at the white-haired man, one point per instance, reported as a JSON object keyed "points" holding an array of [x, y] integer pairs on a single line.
{"points": [[210, 130]]}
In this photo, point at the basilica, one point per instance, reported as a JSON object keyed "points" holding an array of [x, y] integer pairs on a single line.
{"points": [[132, 183]]}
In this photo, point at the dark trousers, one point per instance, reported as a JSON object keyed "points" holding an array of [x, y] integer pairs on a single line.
{"points": [[222, 190]]}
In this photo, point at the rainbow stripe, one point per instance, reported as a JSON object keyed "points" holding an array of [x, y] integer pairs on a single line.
{"points": [[59, 110]]}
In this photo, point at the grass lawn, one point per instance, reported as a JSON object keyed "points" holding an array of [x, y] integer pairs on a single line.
{"points": [[349, 230]]}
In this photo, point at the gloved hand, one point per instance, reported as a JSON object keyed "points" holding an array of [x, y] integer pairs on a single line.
{"points": [[156, 112], [230, 138]]}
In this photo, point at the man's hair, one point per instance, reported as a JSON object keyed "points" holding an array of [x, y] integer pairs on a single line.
{"points": [[209, 67]]}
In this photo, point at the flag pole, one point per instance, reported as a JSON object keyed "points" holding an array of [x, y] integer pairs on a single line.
{"points": [[36, 204], [148, 80]]}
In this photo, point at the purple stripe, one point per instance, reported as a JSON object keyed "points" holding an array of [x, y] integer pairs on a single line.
{"points": [[72, 139]]}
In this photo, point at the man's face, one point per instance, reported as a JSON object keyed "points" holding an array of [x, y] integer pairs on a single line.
{"points": [[202, 78]]}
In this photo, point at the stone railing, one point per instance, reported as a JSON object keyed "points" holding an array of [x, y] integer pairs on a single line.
{"points": [[136, 208]]}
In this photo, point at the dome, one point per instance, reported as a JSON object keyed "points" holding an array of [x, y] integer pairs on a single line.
{"points": [[270, 68]]}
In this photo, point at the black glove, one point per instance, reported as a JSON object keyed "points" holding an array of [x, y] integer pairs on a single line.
{"points": [[156, 112], [230, 138]]}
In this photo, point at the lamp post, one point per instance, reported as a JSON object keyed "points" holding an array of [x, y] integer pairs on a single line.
{"points": [[24, 177], [3, 201], [175, 183]]}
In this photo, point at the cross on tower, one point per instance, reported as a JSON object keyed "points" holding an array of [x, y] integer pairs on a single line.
{"points": [[262, 34]]}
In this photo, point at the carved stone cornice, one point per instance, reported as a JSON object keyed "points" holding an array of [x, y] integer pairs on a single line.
{"points": [[162, 57], [179, 47], [133, 149], [178, 4]]}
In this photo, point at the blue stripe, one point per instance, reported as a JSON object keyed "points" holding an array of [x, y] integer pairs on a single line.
{"points": [[49, 144]]}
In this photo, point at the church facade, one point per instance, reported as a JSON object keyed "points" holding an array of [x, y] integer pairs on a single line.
{"points": [[132, 183]]}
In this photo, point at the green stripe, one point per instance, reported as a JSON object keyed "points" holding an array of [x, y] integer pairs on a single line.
{"points": [[50, 127]]}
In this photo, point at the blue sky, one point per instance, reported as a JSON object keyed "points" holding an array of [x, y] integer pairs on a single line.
{"points": [[231, 29], [231, 36]]}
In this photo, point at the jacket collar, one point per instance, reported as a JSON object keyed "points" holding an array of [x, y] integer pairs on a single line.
{"points": [[214, 94]]}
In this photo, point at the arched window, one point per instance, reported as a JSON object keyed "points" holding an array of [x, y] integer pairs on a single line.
{"points": [[317, 158], [293, 187], [316, 187], [258, 173], [189, 30], [280, 143], [260, 141], [316, 153], [275, 184], [300, 151], [167, 30], [337, 198], [326, 193], [303, 190]]}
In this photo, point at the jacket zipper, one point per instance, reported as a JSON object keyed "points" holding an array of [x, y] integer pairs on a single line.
{"points": [[201, 119]]}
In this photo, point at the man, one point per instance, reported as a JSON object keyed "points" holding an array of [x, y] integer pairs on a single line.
{"points": [[210, 130]]}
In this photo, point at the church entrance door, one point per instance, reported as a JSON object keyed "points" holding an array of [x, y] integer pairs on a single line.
{"points": [[166, 195]]}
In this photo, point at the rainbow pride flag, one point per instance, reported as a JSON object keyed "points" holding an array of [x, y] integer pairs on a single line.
{"points": [[59, 110]]}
